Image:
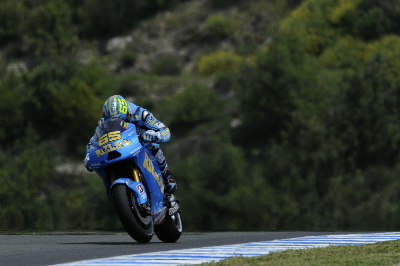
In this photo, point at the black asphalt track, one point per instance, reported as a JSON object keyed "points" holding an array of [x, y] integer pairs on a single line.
{"points": [[62, 247]]}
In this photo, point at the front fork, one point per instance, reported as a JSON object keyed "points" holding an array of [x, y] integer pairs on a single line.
{"points": [[136, 187]]}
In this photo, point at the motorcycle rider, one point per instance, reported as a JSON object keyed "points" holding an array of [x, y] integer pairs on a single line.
{"points": [[150, 131]]}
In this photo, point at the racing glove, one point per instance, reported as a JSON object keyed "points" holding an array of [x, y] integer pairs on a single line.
{"points": [[86, 163], [150, 136]]}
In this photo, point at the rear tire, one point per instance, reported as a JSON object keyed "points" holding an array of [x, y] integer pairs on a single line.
{"points": [[170, 231], [136, 223]]}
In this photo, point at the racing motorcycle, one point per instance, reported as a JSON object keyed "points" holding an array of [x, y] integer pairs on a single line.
{"points": [[134, 183]]}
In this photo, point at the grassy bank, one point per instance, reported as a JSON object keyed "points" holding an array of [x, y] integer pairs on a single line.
{"points": [[385, 253]]}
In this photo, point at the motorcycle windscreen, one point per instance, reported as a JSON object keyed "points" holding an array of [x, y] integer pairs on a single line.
{"points": [[108, 126], [113, 140]]}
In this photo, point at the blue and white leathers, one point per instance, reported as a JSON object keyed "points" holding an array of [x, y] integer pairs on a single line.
{"points": [[144, 120], [146, 124], [117, 142]]}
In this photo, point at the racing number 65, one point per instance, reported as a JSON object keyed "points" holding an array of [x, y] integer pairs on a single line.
{"points": [[123, 106], [115, 135]]}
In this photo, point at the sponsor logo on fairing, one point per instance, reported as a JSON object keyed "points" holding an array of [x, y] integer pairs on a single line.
{"points": [[107, 148], [148, 164], [127, 142], [136, 151], [140, 189]]}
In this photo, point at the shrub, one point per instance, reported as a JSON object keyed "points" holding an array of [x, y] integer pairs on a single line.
{"points": [[373, 24], [52, 28], [318, 25], [224, 82], [66, 100], [167, 65], [347, 52], [13, 96], [102, 18], [219, 61], [342, 11], [128, 58], [224, 3], [219, 26], [12, 23], [194, 104]]}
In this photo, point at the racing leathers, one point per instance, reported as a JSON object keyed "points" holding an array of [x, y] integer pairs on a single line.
{"points": [[152, 132]]}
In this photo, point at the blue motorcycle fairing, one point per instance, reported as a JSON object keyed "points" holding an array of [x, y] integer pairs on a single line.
{"points": [[136, 187], [148, 166], [120, 142]]}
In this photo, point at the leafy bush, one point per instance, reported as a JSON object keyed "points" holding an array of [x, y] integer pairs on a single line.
{"points": [[219, 26], [374, 23], [216, 174], [280, 74], [224, 82], [167, 65], [195, 104], [347, 52], [341, 12], [67, 100], [88, 206], [25, 198], [293, 3], [13, 95], [329, 132], [128, 58], [52, 29], [101, 18], [12, 19], [219, 61], [309, 25], [317, 25], [224, 3]]}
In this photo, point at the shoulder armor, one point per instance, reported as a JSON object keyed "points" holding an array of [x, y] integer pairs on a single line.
{"points": [[145, 114], [101, 123], [100, 126]]}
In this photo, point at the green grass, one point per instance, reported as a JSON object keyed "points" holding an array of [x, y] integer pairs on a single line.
{"points": [[385, 253]]}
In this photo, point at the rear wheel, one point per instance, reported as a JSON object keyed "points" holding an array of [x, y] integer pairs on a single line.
{"points": [[170, 231], [135, 221]]}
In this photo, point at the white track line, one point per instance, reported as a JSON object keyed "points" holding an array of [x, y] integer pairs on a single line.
{"points": [[207, 254]]}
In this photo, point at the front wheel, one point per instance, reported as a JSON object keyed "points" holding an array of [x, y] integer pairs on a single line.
{"points": [[136, 223], [170, 231]]}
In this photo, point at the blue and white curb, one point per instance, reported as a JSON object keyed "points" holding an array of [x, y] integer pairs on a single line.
{"points": [[208, 254]]}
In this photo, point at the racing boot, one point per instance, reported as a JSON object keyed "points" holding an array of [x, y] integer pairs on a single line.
{"points": [[169, 182]]}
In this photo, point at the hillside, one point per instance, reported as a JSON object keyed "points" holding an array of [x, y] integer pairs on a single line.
{"points": [[284, 115]]}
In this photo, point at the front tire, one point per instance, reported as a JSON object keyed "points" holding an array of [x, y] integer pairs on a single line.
{"points": [[170, 231], [136, 223]]}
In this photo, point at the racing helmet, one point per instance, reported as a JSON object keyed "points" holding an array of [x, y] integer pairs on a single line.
{"points": [[116, 107]]}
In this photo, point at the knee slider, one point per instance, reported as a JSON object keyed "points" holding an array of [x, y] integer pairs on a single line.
{"points": [[160, 157]]}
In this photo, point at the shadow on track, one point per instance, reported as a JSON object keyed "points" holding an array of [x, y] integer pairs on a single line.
{"points": [[112, 243]]}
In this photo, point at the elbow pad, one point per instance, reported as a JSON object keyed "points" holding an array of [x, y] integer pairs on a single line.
{"points": [[166, 135]]}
